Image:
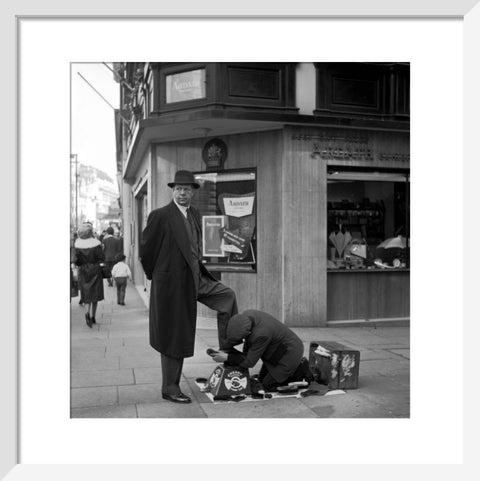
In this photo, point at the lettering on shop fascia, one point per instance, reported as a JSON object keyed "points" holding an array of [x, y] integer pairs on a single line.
{"points": [[359, 151], [394, 157], [329, 153], [349, 138]]}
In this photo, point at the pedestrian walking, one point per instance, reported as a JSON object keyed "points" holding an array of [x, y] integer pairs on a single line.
{"points": [[111, 247], [170, 254], [88, 256], [120, 274]]}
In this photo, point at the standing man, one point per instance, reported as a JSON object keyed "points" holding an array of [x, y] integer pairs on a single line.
{"points": [[170, 253], [111, 247]]}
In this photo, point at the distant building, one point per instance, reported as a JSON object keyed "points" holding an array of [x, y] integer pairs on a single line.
{"points": [[98, 198]]}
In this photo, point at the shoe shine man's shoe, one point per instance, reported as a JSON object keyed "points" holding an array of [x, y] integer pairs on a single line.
{"points": [[177, 398], [307, 373]]}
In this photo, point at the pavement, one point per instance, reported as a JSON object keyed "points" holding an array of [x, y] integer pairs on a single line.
{"points": [[116, 374]]}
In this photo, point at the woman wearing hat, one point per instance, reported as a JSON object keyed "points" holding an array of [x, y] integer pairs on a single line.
{"points": [[89, 255], [170, 253]]}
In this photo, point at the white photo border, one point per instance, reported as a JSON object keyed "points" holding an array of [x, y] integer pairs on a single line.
{"points": [[9, 440]]}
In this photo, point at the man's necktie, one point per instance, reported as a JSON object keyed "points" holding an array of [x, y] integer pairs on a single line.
{"points": [[190, 219]]}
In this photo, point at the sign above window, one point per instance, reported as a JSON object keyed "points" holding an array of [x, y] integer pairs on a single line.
{"points": [[184, 86]]}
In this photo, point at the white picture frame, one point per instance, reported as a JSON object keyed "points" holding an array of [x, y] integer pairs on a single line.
{"points": [[15, 240]]}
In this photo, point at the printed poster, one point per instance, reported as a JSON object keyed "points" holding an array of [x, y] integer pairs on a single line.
{"points": [[213, 226]]}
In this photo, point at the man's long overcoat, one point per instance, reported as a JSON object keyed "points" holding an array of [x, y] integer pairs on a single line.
{"points": [[166, 257]]}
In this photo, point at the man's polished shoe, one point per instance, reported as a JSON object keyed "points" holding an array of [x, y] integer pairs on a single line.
{"points": [[177, 398]]}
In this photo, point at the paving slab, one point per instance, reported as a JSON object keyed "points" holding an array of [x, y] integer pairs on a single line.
{"points": [[308, 334], [143, 393], [347, 406], [273, 408], [166, 409], [101, 378], [90, 343], [125, 411], [127, 333], [124, 313], [141, 349], [405, 352], [94, 363], [150, 359], [376, 354], [386, 368], [93, 396], [117, 351], [147, 375], [90, 353], [127, 324], [89, 334], [146, 393], [370, 339], [143, 340]]}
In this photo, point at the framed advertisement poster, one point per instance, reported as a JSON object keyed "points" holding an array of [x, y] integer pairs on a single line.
{"points": [[227, 203], [212, 242]]}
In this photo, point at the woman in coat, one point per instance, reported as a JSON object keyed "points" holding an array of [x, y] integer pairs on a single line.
{"points": [[89, 255], [266, 338]]}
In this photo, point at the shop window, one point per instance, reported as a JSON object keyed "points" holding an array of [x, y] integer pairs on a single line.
{"points": [[227, 204], [368, 220]]}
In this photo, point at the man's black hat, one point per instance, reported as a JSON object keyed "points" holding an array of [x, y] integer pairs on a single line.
{"points": [[184, 177]]}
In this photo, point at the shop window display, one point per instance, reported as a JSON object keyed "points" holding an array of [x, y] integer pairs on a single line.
{"points": [[227, 203], [368, 220]]}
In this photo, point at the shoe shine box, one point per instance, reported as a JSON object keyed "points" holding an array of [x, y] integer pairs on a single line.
{"points": [[229, 381], [334, 364]]}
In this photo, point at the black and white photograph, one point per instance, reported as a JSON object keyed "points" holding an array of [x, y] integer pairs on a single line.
{"points": [[240, 240], [268, 215]]}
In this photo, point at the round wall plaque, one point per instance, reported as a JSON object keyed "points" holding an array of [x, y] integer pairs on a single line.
{"points": [[215, 153]]}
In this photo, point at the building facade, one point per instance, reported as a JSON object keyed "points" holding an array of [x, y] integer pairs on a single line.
{"points": [[95, 198], [304, 171]]}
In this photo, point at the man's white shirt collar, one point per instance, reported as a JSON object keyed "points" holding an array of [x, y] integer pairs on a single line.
{"points": [[183, 209]]}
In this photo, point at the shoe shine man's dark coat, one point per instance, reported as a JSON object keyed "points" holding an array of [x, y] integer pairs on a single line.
{"points": [[166, 257], [266, 338]]}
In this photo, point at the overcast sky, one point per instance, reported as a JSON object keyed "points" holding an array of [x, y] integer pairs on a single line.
{"points": [[93, 127]]}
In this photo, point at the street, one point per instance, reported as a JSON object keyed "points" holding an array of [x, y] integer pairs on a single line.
{"points": [[116, 374]]}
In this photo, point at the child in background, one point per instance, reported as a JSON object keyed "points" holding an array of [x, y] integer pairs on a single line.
{"points": [[120, 273]]}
